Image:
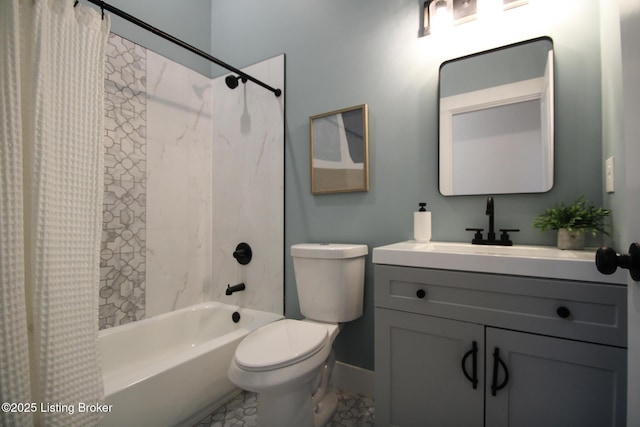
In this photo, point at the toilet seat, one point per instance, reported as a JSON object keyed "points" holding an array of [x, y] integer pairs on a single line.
{"points": [[280, 344]]}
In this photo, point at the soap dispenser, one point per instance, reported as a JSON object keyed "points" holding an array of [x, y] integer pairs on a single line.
{"points": [[422, 224]]}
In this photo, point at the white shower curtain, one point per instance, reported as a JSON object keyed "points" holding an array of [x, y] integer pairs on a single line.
{"points": [[51, 168]]}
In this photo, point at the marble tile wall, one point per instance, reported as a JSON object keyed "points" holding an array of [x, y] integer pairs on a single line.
{"points": [[191, 169], [248, 187], [179, 186], [122, 261]]}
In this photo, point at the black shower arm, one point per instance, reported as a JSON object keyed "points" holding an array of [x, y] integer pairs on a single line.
{"points": [[169, 37]]}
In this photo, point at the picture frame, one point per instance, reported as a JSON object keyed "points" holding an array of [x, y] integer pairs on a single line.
{"points": [[339, 150]]}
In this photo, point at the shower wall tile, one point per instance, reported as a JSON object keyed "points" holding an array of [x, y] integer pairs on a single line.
{"points": [[124, 216], [248, 188], [122, 292], [179, 185], [189, 175], [122, 261]]}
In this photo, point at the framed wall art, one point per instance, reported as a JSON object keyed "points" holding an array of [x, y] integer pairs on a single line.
{"points": [[340, 150]]}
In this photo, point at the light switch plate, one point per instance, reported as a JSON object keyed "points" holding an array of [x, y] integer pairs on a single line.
{"points": [[609, 174]]}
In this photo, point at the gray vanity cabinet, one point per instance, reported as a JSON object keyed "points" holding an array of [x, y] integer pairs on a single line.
{"points": [[561, 356], [556, 382], [416, 386]]}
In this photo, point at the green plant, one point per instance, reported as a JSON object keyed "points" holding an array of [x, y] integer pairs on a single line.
{"points": [[580, 215]]}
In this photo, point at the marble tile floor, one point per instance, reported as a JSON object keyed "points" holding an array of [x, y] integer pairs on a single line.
{"points": [[353, 411]]}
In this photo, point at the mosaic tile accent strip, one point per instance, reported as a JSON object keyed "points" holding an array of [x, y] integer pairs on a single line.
{"points": [[353, 411], [122, 261]]}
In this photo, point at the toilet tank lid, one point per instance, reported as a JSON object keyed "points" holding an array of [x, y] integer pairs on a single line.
{"points": [[328, 250]]}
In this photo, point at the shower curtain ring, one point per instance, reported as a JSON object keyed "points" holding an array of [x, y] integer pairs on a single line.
{"points": [[102, 9], [76, 3]]}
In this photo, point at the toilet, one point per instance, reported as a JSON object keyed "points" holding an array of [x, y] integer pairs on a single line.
{"points": [[289, 362]]}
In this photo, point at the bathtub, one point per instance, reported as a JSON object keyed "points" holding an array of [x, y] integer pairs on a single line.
{"points": [[171, 369]]}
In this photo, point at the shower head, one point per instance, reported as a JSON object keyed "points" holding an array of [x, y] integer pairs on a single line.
{"points": [[232, 81]]}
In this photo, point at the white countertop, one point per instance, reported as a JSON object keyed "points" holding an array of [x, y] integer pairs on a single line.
{"points": [[535, 261]]}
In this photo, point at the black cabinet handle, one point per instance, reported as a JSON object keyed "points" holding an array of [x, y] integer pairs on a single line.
{"points": [[497, 362], [421, 293], [474, 367], [563, 312]]}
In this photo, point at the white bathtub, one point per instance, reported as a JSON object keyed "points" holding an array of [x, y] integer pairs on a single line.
{"points": [[171, 369]]}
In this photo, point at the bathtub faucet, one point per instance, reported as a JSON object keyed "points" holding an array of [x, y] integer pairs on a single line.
{"points": [[231, 289]]}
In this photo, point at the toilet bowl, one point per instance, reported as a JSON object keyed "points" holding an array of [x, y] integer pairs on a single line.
{"points": [[284, 363], [289, 362]]}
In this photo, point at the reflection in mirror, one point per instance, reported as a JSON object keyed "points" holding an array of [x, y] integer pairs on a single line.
{"points": [[496, 121]]}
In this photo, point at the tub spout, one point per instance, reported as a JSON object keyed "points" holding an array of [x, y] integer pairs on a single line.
{"points": [[231, 289]]}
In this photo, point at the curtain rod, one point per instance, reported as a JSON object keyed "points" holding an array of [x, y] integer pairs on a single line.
{"points": [[156, 31]]}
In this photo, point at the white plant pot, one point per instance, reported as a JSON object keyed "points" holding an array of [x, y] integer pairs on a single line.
{"points": [[570, 239]]}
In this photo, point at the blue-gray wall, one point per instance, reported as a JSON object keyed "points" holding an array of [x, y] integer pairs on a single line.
{"points": [[189, 21], [340, 54], [344, 53], [612, 119]]}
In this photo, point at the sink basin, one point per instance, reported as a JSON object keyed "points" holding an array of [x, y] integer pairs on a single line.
{"points": [[536, 261], [512, 251]]}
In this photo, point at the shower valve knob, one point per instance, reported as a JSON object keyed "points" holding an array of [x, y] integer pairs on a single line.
{"points": [[243, 253]]}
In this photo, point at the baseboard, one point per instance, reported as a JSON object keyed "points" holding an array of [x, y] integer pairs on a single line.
{"points": [[353, 379]]}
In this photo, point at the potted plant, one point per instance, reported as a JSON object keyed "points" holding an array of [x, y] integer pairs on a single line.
{"points": [[573, 221]]}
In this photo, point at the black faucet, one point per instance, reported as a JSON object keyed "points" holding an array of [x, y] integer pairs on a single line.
{"points": [[231, 289], [491, 236]]}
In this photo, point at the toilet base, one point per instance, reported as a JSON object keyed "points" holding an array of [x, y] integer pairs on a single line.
{"points": [[293, 408], [288, 408], [297, 394], [325, 409], [311, 404]]}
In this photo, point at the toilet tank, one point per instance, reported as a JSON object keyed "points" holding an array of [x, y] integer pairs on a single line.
{"points": [[330, 280]]}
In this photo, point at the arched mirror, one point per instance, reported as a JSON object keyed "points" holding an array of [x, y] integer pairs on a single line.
{"points": [[496, 121]]}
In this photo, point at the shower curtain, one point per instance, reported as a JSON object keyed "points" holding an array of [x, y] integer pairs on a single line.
{"points": [[51, 113]]}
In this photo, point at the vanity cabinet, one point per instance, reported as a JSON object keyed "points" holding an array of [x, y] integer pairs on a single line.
{"points": [[472, 349]]}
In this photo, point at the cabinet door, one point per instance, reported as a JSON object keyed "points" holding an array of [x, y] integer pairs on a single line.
{"points": [[554, 382], [419, 375]]}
